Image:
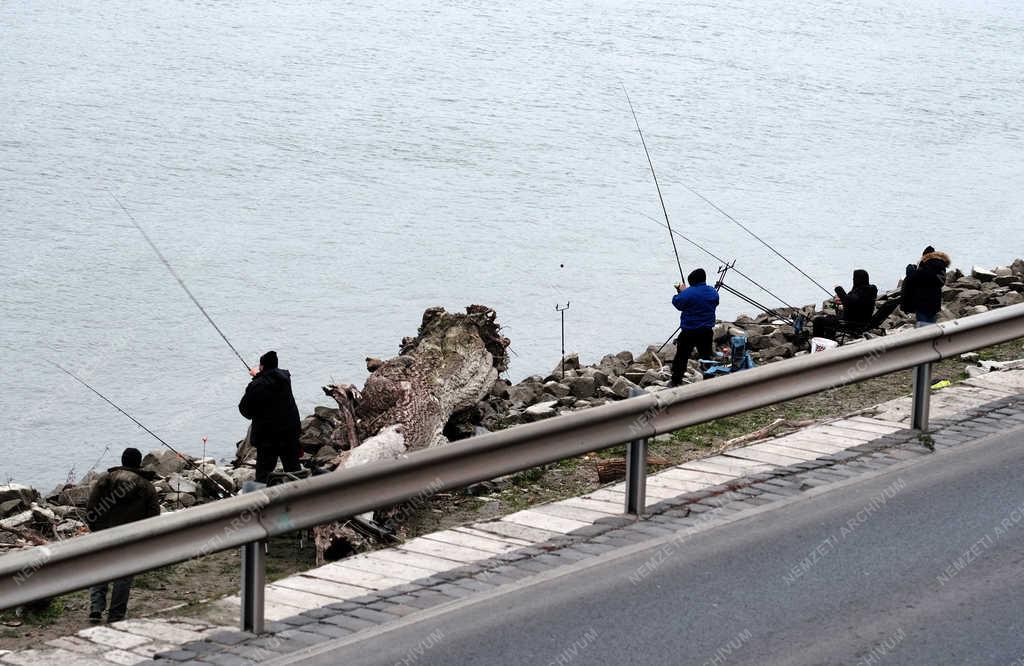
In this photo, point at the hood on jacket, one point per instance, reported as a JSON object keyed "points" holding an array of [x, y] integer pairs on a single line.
{"points": [[861, 278], [937, 261]]}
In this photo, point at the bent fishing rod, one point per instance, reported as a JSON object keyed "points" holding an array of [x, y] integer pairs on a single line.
{"points": [[175, 451], [656, 185], [759, 239], [180, 281]]}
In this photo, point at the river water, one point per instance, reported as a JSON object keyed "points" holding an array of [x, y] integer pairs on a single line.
{"points": [[319, 173]]}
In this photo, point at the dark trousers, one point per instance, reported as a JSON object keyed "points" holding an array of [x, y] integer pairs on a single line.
{"points": [[266, 460], [118, 598], [703, 339], [824, 326]]}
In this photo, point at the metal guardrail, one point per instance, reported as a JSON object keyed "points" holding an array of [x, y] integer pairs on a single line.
{"points": [[62, 567]]}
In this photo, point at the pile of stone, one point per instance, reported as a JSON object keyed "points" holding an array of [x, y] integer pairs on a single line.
{"points": [[769, 339], [28, 518]]}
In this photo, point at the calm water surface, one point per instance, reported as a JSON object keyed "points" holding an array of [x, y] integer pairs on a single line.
{"points": [[321, 172]]}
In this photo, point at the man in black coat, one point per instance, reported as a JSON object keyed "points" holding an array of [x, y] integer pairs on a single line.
{"points": [[922, 290], [269, 403], [858, 307], [119, 496]]}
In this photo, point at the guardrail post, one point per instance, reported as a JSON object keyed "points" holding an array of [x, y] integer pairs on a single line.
{"points": [[254, 577], [253, 580], [636, 471], [636, 477], [922, 396]]}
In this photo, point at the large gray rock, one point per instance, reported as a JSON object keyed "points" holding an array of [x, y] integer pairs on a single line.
{"points": [[176, 483], [613, 366], [15, 491], [982, 274], [183, 500], [969, 283], [74, 496], [541, 410], [584, 387], [1017, 267], [523, 394], [163, 462], [1011, 298], [569, 362], [1002, 271], [622, 387], [969, 297], [556, 389]]}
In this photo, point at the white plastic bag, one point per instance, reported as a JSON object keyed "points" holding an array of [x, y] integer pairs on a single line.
{"points": [[821, 344]]}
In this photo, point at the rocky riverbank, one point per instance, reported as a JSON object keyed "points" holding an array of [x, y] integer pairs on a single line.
{"points": [[28, 517]]}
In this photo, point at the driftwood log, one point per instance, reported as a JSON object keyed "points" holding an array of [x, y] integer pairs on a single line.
{"points": [[450, 366]]}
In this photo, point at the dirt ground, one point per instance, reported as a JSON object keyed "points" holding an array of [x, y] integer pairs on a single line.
{"points": [[183, 588]]}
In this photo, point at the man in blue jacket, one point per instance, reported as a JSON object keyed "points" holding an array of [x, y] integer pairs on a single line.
{"points": [[697, 303]]}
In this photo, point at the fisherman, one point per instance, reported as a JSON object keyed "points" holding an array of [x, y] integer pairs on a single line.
{"points": [[697, 304], [269, 403], [858, 305], [922, 290], [119, 496]]}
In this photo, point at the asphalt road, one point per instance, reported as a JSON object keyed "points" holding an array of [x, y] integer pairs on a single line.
{"points": [[923, 564]]}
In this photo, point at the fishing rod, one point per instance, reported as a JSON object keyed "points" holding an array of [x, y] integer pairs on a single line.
{"points": [[136, 421], [796, 321], [716, 257], [656, 185], [759, 239], [180, 281]]}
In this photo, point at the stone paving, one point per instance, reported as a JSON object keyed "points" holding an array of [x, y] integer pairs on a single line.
{"points": [[367, 590]]}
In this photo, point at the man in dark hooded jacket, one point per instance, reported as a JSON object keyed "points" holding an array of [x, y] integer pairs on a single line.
{"points": [[922, 290], [269, 403], [119, 496], [858, 307], [696, 304]]}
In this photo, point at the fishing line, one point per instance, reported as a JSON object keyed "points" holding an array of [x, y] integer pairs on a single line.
{"points": [[138, 423], [180, 281], [761, 240], [715, 256], [656, 185]]}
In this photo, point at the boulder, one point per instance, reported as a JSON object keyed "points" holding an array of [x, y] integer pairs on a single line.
{"points": [[625, 356], [569, 362], [215, 482], [613, 366], [1002, 271], [1017, 267], [242, 474], [501, 388], [969, 297], [176, 483], [556, 389], [74, 496], [11, 507], [969, 283], [184, 500], [1006, 280], [622, 387], [1011, 298], [584, 387], [651, 377], [164, 462], [541, 410], [26, 495], [523, 394], [982, 274], [975, 309], [780, 351]]}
